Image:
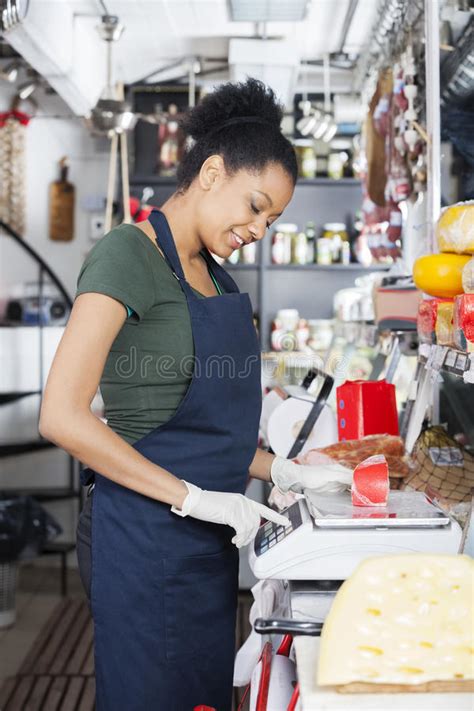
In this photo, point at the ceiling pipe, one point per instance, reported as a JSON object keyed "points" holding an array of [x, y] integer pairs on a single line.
{"points": [[351, 10]]}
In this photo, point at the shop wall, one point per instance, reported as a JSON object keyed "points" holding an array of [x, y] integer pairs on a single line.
{"points": [[52, 134]]}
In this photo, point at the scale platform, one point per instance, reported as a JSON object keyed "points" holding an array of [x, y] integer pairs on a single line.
{"points": [[404, 508]]}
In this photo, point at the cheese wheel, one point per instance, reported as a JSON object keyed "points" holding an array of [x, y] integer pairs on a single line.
{"points": [[440, 274], [370, 484], [455, 228], [401, 619]]}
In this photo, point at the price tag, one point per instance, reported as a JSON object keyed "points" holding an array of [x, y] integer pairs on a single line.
{"points": [[450, 360], [461, 362], [439, 356]]}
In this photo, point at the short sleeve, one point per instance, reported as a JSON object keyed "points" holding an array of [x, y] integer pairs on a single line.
{"points": [[119, 266]]}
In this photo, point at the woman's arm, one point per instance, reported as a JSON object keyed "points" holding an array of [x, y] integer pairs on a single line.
{"points": [[66, 418], [261, 465]]}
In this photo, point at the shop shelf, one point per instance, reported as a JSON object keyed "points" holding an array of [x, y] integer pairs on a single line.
{"points": [[7, 397], [240, 267], [15, 448], [329, 267], [329, 181], [45, 493]]}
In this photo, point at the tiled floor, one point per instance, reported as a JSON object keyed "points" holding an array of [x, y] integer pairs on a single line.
{"points": [[38, 593]]}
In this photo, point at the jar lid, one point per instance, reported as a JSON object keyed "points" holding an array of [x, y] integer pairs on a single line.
{"points": [[287, 313], [286, 227], [334, 226]]}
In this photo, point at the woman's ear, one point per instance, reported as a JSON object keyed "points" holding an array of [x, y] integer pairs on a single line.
{"points": [[212, 172]]}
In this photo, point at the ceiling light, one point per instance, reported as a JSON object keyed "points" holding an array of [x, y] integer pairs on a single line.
{"points": [[12, 13], [25, 90], [322, 127], [306, 124], [10, 71], [110, 29], [331, 132], [268, 10]]}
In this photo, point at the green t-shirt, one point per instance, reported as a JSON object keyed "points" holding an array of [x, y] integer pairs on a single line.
{"points": [[150, 363]]}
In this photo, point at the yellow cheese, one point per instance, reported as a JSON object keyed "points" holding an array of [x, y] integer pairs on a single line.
{"points": [[401, 619], [444, 324], [440, 274], [455, 228]]}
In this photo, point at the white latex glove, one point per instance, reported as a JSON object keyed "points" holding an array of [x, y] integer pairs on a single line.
{"points": [[289, 476], [235, 510]]}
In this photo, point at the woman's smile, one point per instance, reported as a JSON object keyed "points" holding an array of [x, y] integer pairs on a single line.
{"points": [[236, 242]]}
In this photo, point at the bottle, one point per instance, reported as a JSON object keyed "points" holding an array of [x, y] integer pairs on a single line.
{"points": [[345, 253], [302, 334], [249, 253], [281, 243], [170, 141], [310, 243], [234, 257], [298, 248], [324, 251]]}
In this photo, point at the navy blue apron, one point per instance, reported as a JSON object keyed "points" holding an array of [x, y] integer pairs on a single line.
{"points": [[164, 588]]}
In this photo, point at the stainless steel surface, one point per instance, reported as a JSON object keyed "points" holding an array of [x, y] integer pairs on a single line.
{"points": [[404, 509], [287, 626]]}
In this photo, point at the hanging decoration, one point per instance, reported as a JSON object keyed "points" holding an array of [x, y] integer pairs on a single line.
{"points": [[13, 125]]}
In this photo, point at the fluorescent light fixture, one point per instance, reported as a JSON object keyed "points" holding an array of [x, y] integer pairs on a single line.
{"points": [[25, 90], [268, 10], [322, 127], [306, 124], [10, 71], [330, 133]]}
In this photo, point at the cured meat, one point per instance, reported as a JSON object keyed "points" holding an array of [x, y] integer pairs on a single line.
{"points": [[370, 485], [351, 452]]}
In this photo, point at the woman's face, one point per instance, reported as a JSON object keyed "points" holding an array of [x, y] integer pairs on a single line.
{"points": [[235, 210]]}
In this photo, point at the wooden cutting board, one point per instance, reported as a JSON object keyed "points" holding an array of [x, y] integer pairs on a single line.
{"points": [[447, 686], [61, 206]]}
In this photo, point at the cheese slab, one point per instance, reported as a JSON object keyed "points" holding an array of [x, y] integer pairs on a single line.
{"points": [[370, 482], [401, 619]]}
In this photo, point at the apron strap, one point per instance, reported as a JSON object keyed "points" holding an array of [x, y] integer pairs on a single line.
{"points": [[165, 241]]}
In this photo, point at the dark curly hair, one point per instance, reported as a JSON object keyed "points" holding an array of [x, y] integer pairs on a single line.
{"points": [[250, 144]]}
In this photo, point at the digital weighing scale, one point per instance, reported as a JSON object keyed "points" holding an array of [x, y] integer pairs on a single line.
{"points": [[328, 536]]}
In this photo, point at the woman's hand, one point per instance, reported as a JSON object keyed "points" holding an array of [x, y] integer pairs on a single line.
{"points": [[289, 476], [239, 512]]}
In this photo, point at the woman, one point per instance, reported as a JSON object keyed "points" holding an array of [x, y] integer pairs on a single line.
{"points": [[165, 332]]}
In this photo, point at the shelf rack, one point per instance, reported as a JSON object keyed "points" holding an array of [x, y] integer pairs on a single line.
{"points": [[310, 288]]}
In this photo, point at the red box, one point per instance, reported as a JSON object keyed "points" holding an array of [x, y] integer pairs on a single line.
{"points": [[366, 408]]}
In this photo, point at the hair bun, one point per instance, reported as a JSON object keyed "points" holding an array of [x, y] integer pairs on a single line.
{"points": [[232, 101]]}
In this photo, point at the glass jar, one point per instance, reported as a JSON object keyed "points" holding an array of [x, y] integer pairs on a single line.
{"points": [[324, 251], [335, 166], [306, 158], [299, 248], [281, 243], [249, 253]]}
